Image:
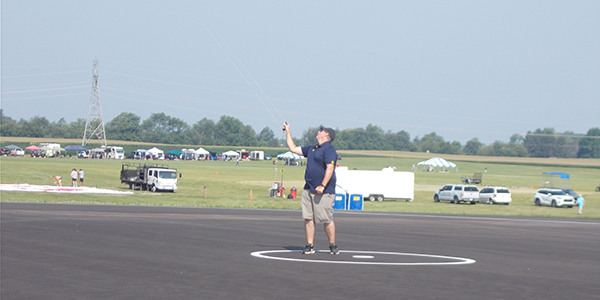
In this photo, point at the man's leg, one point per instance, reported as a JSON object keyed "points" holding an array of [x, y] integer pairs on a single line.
{"points": [[330, 231], [309, 227]]}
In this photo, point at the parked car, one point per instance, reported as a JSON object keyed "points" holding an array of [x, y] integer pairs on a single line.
{"points": [[457, 193], [17, 152], [495, 195], [554, 197], [570, 192]]}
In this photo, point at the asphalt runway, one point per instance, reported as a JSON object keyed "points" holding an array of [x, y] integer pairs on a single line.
{"points": [[62, 251]]}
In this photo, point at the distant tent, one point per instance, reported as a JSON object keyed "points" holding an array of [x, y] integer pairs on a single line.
{"points": [[75, 148], [157, 153], [46, 148], [549, 179], [230, 153], [561, 174], [437, 162], [12, 147], [33, 148], [202, 151], [289, 155], [174, 152]]}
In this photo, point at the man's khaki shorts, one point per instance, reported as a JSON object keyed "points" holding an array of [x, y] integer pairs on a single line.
{"points": [[317, 207]]}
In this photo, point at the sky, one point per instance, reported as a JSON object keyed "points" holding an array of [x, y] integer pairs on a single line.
{"points": [[461, 69]]}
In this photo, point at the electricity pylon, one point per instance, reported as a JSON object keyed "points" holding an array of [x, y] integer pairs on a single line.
{"points": [[94, 124]]}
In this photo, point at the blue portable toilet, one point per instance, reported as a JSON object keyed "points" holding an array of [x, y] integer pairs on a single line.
{"points": [[355, 202], [339, 202]]}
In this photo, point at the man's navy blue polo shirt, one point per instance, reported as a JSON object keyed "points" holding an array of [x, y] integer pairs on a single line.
{"points": [[317, 159]]}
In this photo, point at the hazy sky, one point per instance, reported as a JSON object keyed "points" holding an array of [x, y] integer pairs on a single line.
{"points": [[463, 69]]}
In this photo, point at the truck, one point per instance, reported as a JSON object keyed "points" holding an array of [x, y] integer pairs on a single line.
{"points": [[457, 193], [149, 177], [114, 152], [376, 185]]}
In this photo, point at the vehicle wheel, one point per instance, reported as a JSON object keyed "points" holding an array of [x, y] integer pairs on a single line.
{"points": [[537, 202], [506, 203], [490, 202], [473, 202], [371, 198], [379, 198], [456, 200], [553, 204], [570, 206], [436, 198], [154, 188]]}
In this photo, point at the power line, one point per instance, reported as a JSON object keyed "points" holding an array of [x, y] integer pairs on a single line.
{"points": [[564, 135]]}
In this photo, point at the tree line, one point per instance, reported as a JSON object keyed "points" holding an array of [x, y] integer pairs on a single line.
{"points": [[229, 131]]}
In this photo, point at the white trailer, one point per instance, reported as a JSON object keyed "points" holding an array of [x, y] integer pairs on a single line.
{"points": [[376, 185], [257, 155]]}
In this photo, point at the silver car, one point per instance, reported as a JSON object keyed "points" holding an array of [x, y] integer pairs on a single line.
{"points": [[495, 195]]}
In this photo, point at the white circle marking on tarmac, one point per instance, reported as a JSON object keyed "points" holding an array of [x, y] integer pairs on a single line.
{"points": [[451, 260]]}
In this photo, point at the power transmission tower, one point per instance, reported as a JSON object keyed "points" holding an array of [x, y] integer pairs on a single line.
{"points": [[94, 124]]}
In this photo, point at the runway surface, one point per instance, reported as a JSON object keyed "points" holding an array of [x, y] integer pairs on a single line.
{"points": [[62, 251]]}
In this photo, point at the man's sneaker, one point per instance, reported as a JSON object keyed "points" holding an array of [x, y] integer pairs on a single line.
{"points": [[333, 249], [308, 249]]}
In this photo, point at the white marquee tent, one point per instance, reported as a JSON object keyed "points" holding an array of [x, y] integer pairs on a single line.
{"points": [[229, 154], [437, 162], [202, 151], [157, 153]]}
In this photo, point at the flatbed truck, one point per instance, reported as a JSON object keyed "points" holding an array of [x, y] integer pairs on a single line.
{"points": [[149, 177]]}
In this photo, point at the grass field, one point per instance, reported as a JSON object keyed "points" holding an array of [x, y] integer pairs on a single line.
{"points": [[230, 185]]}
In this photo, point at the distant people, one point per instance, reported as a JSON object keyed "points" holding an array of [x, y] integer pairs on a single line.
{"points": [[414, 168], [80, 177], [74, 174], [580, 201], [485, 170], [58, 180]]}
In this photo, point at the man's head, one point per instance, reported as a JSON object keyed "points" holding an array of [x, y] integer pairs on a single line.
{"points": [[328, 132]]}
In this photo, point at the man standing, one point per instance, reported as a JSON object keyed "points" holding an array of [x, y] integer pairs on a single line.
{"points": [[74, 177], [80, 177], [319, 190]]}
